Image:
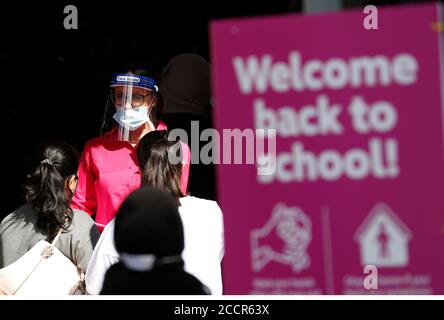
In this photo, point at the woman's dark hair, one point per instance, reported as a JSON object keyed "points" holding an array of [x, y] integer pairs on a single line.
{"points": [[45, 188], [158, 171]]}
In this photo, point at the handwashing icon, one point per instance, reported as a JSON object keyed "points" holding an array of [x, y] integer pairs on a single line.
{"points": [[283, 239]]}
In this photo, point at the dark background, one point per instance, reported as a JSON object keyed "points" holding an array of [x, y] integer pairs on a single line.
{"points": [[54, 81]]}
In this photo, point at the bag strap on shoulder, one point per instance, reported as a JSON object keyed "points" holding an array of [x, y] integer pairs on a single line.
{"points": [[53, 243]]}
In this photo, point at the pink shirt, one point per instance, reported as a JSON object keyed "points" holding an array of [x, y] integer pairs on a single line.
{"points": [[108, 173]]}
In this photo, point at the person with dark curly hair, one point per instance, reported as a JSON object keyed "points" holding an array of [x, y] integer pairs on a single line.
{"points": [[49, 190]]}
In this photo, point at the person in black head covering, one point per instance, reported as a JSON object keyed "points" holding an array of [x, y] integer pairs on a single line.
{"points": [[185, 90], [185, 86], [149, 238]]}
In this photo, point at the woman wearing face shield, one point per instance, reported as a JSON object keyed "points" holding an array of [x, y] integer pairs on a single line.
{"points": [[108, 170]]}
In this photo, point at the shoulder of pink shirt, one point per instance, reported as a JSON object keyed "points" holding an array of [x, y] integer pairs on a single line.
{"points": [[161, 126]]}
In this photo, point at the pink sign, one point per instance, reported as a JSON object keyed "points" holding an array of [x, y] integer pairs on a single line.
{"points": [[355, 204]]}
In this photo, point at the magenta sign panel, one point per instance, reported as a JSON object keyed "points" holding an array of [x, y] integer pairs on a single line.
{"points": [[358, 188]]}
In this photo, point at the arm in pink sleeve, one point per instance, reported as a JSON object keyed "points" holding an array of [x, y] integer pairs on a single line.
{"points": [[85, 196], [185, 167]]}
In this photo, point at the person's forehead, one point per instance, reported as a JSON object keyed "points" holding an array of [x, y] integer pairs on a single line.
{"points": [[134, 89]]}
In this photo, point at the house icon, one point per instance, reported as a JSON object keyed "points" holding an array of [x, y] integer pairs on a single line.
{"points": [[383, 239]]}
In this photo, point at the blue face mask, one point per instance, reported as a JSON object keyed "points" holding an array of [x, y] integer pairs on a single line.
{"points": [[131, 118]]}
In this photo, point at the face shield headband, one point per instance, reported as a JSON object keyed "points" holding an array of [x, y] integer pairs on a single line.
{"points": [[134, 81]]}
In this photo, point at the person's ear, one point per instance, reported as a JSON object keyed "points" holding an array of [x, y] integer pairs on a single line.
{"points": [[72, 183]]}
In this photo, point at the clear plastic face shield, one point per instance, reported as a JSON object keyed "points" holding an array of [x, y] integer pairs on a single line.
{"points": [[131, 104]]}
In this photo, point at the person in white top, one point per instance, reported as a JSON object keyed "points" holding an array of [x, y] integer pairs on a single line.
{"points": [[202, 220]]}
